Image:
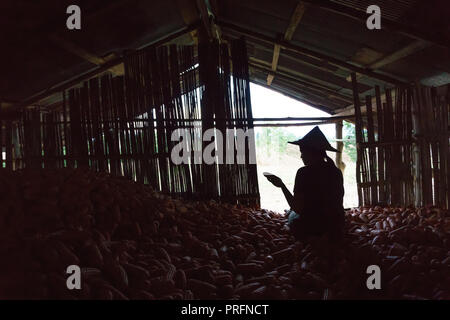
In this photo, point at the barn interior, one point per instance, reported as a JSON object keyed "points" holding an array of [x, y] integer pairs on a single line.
{"points": [[88, 179]]}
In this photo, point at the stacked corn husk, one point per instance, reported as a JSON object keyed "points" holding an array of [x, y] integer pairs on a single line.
{"points": [[134, 243]]}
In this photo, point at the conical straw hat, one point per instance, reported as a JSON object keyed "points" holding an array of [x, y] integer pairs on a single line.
{"points": [[315, 139]]}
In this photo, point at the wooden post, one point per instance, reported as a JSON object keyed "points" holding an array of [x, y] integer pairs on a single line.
{"points": [[339, 146]]}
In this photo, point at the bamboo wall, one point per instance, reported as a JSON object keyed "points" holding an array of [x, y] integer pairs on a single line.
{"points": [[403, 147], [123, 124], [431, 112]]}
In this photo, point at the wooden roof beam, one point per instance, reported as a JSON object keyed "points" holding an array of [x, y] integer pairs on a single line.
{"points": [[413, 47], [190, 15], [410, 49], [297, 48], [86, 55], [297, 58], [276, 56], [261, 64], [351, 108], [385, 24], [310, 103], [321, 81], [332, 94], [64, 85], [307, 93], [296, 17], [206, 12]]}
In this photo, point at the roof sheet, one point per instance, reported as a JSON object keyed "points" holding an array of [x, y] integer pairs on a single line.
{"points": [[33, 62]]}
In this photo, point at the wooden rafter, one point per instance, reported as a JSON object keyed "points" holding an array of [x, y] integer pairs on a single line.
{"points": [[311, 103], [351, 108], [297, 48], [276, 56], [308, 93], [207, 16], [189, 14], [86, 55], [320, 81], [289, 33], [306, 84], [307, 60], [57, 88], [413, 47]]}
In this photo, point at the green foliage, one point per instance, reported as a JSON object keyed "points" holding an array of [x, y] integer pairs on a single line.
{"points": [[273, 139], [349, 140]]}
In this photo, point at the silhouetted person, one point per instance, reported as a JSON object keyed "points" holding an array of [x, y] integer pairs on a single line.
{"points": [[317, 203]]}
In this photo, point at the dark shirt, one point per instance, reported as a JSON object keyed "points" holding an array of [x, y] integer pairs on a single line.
{"points": [[323, 191]]}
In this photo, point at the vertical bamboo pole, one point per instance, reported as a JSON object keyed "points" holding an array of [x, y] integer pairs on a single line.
{"points": [[358, 129], [16, 144], [417, 148], [397, 172], [445, 143], [372, 153], [409, 148], [2, 134], [8, 145], [389, 135], [380, 153], [339, 146], [425, 156], [434, 137]]}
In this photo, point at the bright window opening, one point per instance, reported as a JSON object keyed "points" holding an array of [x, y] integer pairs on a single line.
{"points": [[276, 156]]}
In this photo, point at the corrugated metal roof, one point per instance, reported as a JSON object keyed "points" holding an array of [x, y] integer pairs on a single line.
{"points": [[32, 62], [390, 9], [335, 35], [116, 25]]}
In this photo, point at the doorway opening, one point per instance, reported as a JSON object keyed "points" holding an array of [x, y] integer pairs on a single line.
{"points": [[275, 155]]}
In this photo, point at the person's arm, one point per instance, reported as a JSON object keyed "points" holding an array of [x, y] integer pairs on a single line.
{"points": [[298, 197], [288, 195], [277, 182], [296, 203]]}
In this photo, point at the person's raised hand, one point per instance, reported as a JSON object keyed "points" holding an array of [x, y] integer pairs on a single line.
{"points": [[277, 182]]}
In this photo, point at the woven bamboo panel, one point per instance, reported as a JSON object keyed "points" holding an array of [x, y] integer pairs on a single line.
{"points": [[124, 124], [402, 147]]}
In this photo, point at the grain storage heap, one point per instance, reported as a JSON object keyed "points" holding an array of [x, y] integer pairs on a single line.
{"points": [[87, 177], [155, 247]]}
